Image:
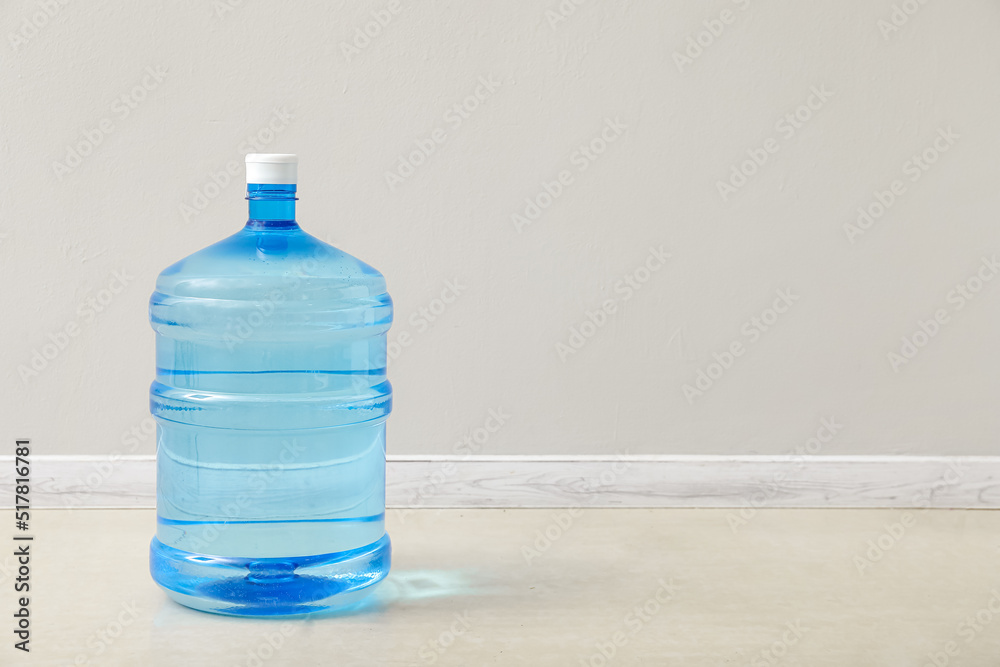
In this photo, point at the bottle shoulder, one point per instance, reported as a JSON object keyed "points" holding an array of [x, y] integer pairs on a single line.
{"points": [[252, 262]]}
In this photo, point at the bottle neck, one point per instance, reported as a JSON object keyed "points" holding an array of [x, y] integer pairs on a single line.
{"points": [[271, 206]]}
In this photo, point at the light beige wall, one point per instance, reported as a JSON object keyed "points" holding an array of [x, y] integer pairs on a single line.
{"points": [[203, 77]]}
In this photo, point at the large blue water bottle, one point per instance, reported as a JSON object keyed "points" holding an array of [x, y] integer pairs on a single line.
{"points": [[270, 401]]}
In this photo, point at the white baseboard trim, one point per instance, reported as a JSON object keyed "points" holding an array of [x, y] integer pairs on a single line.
{"points": [[971, 482]]}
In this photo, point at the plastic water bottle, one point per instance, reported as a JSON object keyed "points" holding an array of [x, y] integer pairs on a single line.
{"points": [[270, 401]]}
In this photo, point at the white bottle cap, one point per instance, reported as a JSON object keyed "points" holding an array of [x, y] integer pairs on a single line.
{"points": [[273, 168]]}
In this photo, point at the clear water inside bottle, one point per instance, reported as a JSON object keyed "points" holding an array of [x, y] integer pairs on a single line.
{"points": [[271, 400]]}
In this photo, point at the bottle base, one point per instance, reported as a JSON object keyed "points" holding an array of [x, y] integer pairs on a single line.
{"points": [[290, 586]]}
